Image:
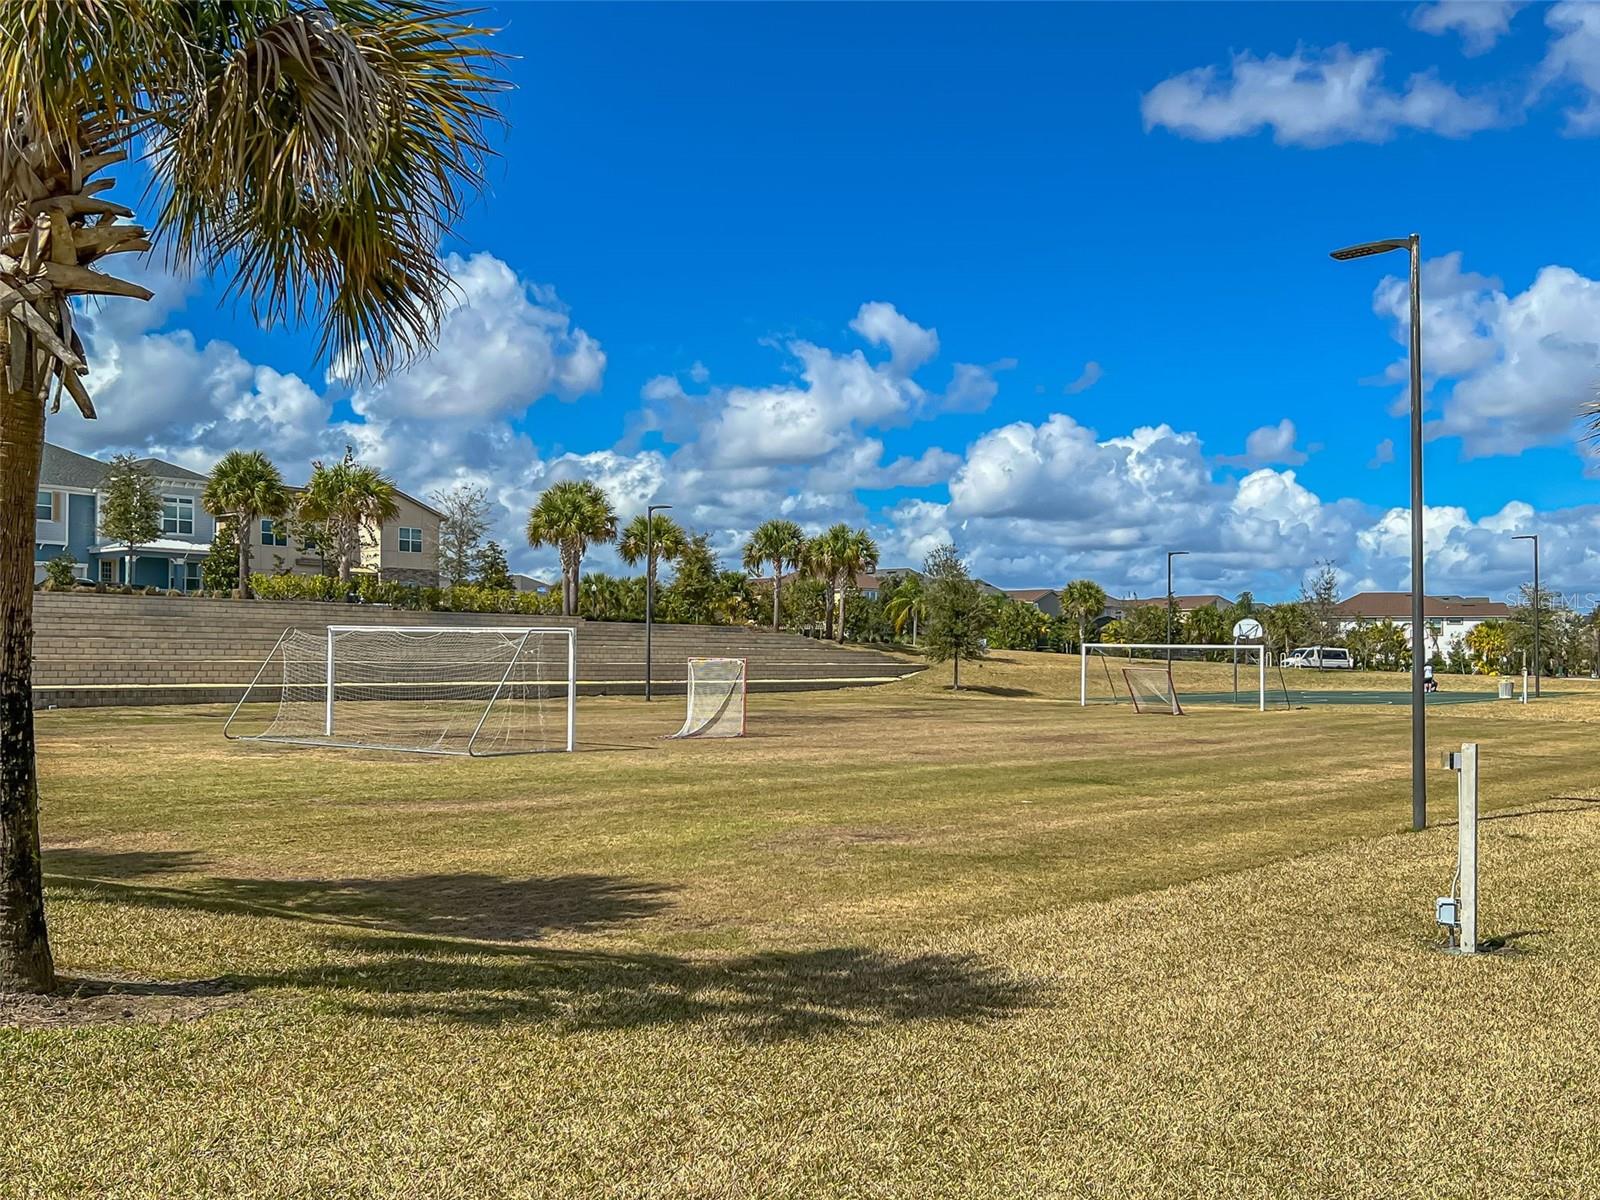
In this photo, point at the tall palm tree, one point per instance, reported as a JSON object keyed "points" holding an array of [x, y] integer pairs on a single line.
{"points": [[837, 556], [908, 605], [571, 516], [860, 555], [822, 558], [1082, 601], [351, 501], [313, 155], [660, 540], [243, 487], [781, 543]]}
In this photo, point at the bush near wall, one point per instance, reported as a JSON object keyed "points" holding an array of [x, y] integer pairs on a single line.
{"points": [[461, 598]]}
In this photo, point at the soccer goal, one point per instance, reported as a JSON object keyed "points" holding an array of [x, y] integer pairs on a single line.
{"points": [[427, 689], [716, 698], [1156, 677]]}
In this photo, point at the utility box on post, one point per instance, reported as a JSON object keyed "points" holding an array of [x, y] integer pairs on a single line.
{"points": [[1459, 911]]}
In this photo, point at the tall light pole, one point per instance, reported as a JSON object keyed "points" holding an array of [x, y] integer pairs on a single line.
{"points": [[1171, 554], [649, 585], [1419, 726], [1534, 538]]}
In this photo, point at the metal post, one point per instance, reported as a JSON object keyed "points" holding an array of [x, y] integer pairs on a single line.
{"points": [[1419, 728], [327, 719], [1538, 663], [1261, 661], [1083, 675], [1171, 554], [649, 589], [1419, 712], [572, 690], [1467, 845]]}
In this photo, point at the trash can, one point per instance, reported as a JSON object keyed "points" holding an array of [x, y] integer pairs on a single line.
{"points": [[1505, 689]]}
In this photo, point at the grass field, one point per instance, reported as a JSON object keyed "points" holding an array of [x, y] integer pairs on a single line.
{"points": [[896, 943]]}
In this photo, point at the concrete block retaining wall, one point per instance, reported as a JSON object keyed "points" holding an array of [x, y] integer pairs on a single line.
{"points": [[93, 650]]}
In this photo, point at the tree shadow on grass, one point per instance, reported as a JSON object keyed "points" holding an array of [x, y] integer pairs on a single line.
{"points": [[764, 997], [458, 904], [409, 948]]}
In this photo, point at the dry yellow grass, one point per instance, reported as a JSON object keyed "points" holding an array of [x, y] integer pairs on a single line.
{"points": [[897, 943]]}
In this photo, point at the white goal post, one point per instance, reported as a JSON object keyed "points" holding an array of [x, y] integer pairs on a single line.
{"points": [[716, 698], [429, 689], [1135, 659]]}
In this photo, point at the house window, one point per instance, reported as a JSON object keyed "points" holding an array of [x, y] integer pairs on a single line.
{"points": [[270, 536], [108, 570], [186, 576], [45, 507], [177, 514], [410, 540]]}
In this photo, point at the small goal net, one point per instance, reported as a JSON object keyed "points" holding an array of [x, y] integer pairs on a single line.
{"points": [[1152, 690], [432, 690], [1155, 677], [716, 698]]}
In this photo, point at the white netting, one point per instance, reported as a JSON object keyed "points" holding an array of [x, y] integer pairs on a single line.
{"points": [[1204, 676], [716, 698], [1152, 690], [437, 690]]}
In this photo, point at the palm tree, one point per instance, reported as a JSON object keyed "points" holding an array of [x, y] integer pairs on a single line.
{"points": [[351, 501], [1082, 601], [315, 156], [571, 516], [781, 543], [836, 556], [661, 539], [908, 605], [244, 486]]}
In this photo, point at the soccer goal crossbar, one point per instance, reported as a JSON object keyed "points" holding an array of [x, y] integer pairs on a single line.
{"points": [[425, 689], [1197, 671]]}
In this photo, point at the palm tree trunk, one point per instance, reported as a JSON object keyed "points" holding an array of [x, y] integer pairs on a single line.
{"points": [[245, 521], [777, 586], [841, 616], [827, 617], [25, 960]]}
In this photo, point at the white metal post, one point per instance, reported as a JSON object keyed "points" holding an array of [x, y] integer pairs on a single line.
{"points": [[327, 720], [1261, 685], [1083, 675], [572, 690], [1467, 845]]}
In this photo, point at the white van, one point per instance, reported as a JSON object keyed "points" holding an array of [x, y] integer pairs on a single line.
{"points": [[1322, 658]]}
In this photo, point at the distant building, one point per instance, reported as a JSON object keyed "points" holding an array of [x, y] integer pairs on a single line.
{"points": [[527, 583], [1447, 619], [1046, 600], [1116, 610], [67, 521]]}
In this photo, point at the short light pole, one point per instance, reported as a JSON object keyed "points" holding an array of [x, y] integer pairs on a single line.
{"points": [[1534, 538], [1171, 554], [1419, 719], [649, 586]]}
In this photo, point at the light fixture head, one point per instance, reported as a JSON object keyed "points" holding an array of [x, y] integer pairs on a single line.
{"points": [[1367, 249]]}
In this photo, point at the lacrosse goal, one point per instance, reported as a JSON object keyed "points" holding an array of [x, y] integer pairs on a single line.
{"points": [[426, 689], [716, 698], [1156, 677]]}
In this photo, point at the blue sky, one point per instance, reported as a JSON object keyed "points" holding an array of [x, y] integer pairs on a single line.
{"points": [[1049, 281]]}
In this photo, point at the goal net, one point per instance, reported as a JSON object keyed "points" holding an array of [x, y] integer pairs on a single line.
{"points": [[1155, 677], [716, 698], [1152, 690], [432, 690]]}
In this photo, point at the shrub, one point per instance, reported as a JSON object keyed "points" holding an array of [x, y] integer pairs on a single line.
{"points": [[58, 573], [295, 587]]}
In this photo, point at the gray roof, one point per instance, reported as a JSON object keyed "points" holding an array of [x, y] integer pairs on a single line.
{"points": [[67, 468]]}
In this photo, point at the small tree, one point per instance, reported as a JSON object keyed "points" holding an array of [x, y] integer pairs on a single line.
{"points": [[463, 521], [219, 569], [1319, 598], [494, 572], [692, 595], [957, 612], [1018, 626], [131, 513]]}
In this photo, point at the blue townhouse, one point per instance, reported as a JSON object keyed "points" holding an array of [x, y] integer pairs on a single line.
{"points": [[67, 521]]}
